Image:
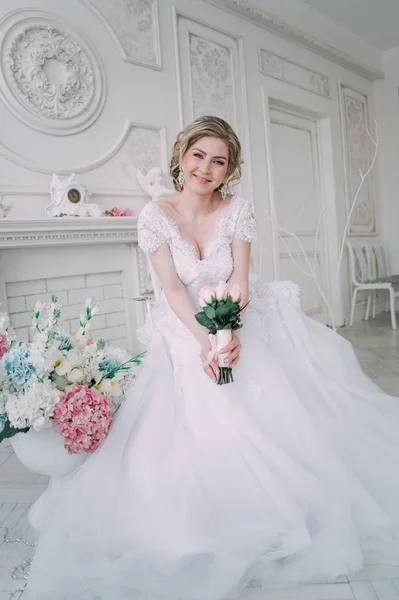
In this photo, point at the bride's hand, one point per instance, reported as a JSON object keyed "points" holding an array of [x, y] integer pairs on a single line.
{"points": [[212, 369], [232, 351]]}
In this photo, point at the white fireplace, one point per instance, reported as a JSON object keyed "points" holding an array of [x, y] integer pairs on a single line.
{"points": [[74, 258]]}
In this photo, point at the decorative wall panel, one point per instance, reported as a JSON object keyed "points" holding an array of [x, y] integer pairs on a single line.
{"points": [[133, 25], [357, 155], [290, 72]]}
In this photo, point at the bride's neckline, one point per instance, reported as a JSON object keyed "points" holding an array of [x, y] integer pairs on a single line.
{"points": [[222, 212]]}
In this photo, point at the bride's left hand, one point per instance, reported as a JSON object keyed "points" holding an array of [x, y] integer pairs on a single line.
{"points": [[232, 351]]}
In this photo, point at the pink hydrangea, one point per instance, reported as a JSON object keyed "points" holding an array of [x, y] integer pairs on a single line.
{"points": [[4, 345], [83, 416]]}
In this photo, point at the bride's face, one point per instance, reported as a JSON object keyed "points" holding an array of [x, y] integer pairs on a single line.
{"points": [[205, 165]]}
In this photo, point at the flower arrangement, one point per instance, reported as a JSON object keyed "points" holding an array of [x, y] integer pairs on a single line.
{"points": [[221, 316], [59, 380], [119, 212]]}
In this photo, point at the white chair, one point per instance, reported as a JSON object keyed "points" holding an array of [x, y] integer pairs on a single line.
{"points": [[362, 267], [379, 271]]}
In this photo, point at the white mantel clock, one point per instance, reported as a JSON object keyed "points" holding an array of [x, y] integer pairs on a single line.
{"points": [[67, 196]]}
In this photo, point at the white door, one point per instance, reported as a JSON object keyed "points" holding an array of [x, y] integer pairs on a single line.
{"points": [[298, 207]]}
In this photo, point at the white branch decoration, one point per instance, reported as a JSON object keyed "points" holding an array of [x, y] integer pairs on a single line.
{"points": [[311, 272]]}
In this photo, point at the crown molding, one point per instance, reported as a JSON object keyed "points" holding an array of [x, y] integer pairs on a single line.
{"points": [[243, 9], [65, 231]]}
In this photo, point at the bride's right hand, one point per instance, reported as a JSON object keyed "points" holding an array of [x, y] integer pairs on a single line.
{"points": [[212, 369]]}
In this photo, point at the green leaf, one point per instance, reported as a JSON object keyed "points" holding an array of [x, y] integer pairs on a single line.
{"points": [[204, 320], [8, 431], [245, 305], [210, 312], [223, 310]]}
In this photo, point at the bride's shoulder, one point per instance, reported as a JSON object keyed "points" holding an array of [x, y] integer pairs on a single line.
{"points": [[240, 203], [243, 222], [157, 208]]}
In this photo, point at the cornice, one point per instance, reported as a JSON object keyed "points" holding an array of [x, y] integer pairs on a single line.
{"points": [[280, 27], [64, 231]]}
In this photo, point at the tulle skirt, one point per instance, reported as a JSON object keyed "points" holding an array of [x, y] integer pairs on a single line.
{"points": [[289, 475]]}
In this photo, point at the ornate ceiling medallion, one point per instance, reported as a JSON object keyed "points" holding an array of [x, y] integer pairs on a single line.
{"points": [[50, 78]]}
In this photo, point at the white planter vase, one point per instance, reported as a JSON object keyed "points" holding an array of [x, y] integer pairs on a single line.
{"points": [[43, 452]]}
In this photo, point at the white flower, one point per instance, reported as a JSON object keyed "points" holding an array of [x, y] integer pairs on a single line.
{"points": [[90, 303], [65, 364], [34, 407], [80, 338], [116, 354], [111, 387], [75, 376], [4, 322], [43, 355], [36, 314]]}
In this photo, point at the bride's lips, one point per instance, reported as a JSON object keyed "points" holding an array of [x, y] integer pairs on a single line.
{"points": [[201, 179]]}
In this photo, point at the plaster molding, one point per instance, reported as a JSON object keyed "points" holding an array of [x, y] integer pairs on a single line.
{"points": [[27, 163], [291, 33], [64, 231], [50, 77], [133, 27], [293, 73]]}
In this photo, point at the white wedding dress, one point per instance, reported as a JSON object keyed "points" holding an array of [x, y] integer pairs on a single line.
{"points": [[288, 475]]}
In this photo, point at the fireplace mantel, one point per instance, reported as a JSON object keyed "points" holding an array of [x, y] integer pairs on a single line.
{"points": [[62, 231]]}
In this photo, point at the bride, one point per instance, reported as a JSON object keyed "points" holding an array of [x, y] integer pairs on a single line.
{"points": [[288, 475]]}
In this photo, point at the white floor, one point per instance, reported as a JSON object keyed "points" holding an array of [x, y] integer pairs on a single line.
{"points": [[377, 347]]}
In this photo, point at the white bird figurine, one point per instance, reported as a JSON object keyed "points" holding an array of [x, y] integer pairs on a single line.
{"points": [[154, 183], [4, 208]]}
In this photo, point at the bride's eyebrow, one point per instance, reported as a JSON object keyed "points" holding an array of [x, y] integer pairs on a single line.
{"points": [[202, 152]]}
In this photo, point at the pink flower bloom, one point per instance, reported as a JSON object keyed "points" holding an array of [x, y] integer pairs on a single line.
{"points": [[206, 294], [220, 291], [4, 345], [89, 342], [119, 212], [116, 212], [83, 416], [235, 293]]}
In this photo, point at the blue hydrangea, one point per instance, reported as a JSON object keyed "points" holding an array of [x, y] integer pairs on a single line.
{"points": [[64, 343], [17, 367], [109, 365]]}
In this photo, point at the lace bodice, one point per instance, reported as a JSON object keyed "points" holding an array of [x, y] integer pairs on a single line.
{"points": [[236, 220]]}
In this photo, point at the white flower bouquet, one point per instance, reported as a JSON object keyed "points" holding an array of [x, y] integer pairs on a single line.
{"points": [[60, 380], [221, 316]]}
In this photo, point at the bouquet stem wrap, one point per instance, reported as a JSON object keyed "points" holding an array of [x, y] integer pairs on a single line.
{"points": [[218, 341]]}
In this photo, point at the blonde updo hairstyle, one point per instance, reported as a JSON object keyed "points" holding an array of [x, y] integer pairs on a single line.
{"points": [[207, 127]]}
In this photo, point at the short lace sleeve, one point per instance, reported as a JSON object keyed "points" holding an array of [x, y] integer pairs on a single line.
{"points": [[151, 233], [246, 227]]}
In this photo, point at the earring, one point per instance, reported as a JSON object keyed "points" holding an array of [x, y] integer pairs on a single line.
{"points": [[224, 190], [180, 178]]}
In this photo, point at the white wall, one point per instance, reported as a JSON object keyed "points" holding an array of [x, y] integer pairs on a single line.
{"points": [[386, 94], [154, 83]]}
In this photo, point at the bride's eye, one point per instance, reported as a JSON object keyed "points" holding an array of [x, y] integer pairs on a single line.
{"points": [[219, 162], [197, 155]]}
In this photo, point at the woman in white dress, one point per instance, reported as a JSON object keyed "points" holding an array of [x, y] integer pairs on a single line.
{"points": [[288, 475]]}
